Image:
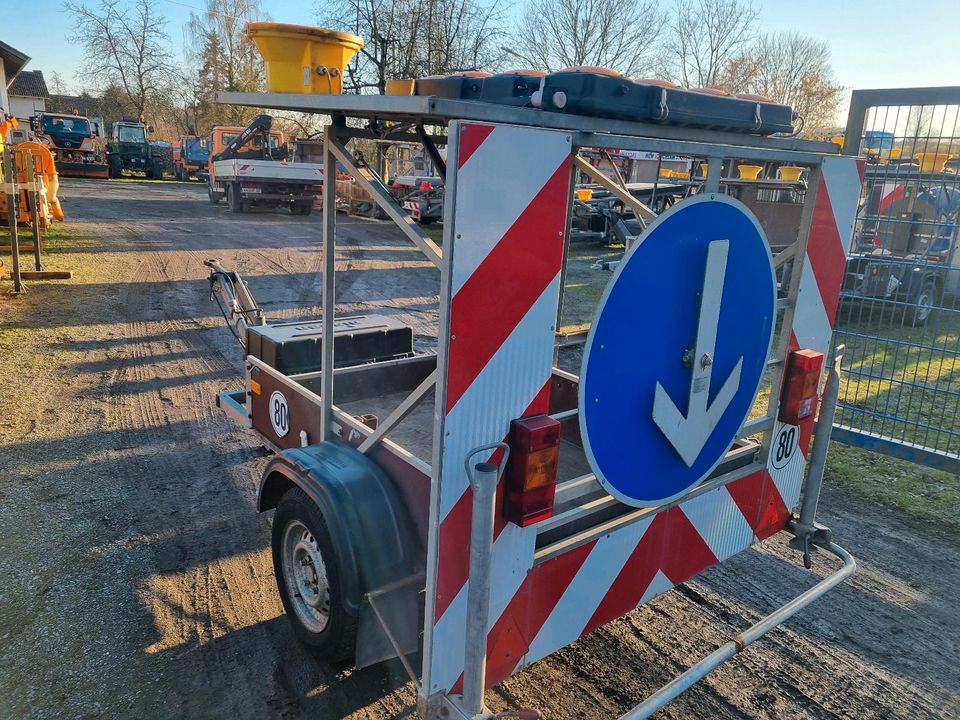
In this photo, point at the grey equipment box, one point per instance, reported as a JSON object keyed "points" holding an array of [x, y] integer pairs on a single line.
{"points": [[295, 347]]}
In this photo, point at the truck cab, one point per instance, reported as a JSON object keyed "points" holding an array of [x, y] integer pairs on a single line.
{"points": [[72, 139]]}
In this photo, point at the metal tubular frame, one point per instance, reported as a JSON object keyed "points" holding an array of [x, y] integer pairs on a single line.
{"points": [[740, 642], [586, 132]]}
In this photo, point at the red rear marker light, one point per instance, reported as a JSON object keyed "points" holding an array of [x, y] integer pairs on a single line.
{"points": [[799, 399], [532, 471], [426, 185]]}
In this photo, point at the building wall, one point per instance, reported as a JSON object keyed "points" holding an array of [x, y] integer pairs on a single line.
{"points": [[23, 108], [4, 103]]}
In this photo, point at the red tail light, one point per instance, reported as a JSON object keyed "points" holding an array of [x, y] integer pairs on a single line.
{"points": [[426, 185], [532, 471], [799, 399]]}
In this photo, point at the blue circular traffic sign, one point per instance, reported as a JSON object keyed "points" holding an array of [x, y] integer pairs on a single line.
{"points": [[677, 350]]}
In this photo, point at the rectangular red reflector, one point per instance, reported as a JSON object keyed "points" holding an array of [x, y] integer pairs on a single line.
{"points": [[800, 386], [531, 478]]}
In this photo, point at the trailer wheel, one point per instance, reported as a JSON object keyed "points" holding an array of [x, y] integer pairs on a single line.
{"points": [[235, 198], [301, 207], [923, 305], [309, 578]]}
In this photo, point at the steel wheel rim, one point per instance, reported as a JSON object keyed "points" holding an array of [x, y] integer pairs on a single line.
{"points": [[924, 306], [305, 575]]}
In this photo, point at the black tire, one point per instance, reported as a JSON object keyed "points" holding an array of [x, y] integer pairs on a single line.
{"points": [[923, 305], [156, 169], [235, 198], [116, 166], [300, 535], [301, 207]]}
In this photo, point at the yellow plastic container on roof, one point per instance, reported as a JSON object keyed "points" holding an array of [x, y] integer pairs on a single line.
{"points": [[303, 59], [790, 173], [932, 161], [750, 172]]}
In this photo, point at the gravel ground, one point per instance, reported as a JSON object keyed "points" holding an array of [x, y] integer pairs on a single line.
{"points": [[135, 577]]}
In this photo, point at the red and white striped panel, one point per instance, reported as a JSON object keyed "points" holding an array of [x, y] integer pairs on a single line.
{"points": [[834, 215], [540, 607], [509, 218]]}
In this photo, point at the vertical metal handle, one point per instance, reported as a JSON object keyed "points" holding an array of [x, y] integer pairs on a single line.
{"points": [[483, 480], [821, 443]]}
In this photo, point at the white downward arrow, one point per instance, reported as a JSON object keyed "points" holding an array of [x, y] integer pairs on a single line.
{"points": [[689, 434]]}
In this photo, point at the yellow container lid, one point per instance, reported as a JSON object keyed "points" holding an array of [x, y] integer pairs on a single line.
{"points": [[299, 31]]}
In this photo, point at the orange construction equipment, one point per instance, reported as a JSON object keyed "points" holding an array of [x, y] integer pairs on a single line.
{"points": [[49, 208], [73, 142]]}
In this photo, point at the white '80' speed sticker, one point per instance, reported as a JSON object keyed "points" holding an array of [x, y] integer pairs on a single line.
{"points": [[279, 413]]}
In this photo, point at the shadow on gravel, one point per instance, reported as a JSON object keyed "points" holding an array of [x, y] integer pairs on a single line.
{"points": [[298, 685]]}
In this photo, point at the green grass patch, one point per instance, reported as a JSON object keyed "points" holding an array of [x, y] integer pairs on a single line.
{"points": [[922, 495]]}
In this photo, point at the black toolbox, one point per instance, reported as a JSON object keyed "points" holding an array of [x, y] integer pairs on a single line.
{"points": [[615, 96], [295, 347], [512, 88]]}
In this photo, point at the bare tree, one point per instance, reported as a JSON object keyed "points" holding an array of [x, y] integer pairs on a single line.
{"points": [[620, 35], [125, 45], [225, 58], [705, 35], [413, 38], [791, 69]]}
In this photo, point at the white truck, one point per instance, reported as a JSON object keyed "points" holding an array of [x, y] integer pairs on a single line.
{"points": [[249, 169]]}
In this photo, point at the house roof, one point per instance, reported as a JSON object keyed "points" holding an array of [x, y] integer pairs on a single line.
{"points": [[29, 83], [13, 60]]}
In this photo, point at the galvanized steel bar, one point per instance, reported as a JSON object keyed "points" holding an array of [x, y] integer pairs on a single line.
{"points": [[821, 443], [621, 192], [483, 480], [378, 191], [400, 412], [740, 642], [328, 281]]}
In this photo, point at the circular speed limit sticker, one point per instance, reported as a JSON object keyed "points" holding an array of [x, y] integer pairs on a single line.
{"points": [[784, 445], [279, 413]]}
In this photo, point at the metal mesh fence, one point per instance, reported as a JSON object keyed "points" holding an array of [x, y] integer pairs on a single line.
{"points": [[899, 315]]}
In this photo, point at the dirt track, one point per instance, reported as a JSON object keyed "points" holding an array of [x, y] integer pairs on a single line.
{"points": [[135, 577]]}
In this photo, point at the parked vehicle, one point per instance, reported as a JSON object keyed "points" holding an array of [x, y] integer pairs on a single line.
{"points": [[73, 140], [190, 158], [906, 250], [249, 169], [129, 150]]}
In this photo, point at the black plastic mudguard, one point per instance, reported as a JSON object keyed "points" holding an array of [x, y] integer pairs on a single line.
{"points": [[366, 518]]}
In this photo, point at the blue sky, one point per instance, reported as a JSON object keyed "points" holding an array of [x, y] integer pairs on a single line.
{"points": [[873, 43]]}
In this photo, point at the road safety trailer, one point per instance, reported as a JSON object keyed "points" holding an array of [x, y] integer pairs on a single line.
{"points": [[475, 509]]}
